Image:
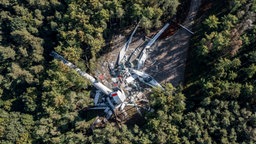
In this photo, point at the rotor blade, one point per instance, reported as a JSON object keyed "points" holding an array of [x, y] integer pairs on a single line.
{"points": [[142, 58], [146, 78], [121, 54], [143, 55], [133, 53], [152, 41], [186, 29], [125, 47], [95, 83]]}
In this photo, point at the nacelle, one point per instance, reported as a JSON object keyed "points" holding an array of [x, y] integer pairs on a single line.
{"points": [[118, 97]]}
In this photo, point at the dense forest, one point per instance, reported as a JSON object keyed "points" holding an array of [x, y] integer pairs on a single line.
{"points": [[41, 101]]}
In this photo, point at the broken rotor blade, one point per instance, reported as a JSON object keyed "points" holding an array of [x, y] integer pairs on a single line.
{"points": [[126, 46], [95, 83], [142, 58], [143, 54], [146, 78], [134, 52]]}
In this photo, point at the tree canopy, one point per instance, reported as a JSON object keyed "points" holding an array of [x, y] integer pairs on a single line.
{"points": [[43, 101]]}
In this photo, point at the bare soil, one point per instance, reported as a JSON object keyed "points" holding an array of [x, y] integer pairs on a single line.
{"points": [[167, 60]]}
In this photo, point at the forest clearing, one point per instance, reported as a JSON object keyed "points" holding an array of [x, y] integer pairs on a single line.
{"points": [[56, 54]]}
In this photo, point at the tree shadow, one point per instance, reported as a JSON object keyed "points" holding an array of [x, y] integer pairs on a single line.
{"points": [[167, 60]]}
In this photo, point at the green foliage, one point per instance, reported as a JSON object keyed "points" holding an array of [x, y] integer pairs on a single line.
{"points": [[163, 122], [92, 18], [41, 100], [212, 21], [16, 127], [110, 134], [250, 71], [221, 91], [229, 21], [6, 53]]}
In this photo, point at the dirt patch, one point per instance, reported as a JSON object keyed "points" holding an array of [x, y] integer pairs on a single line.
{"points": [[167, 59]]}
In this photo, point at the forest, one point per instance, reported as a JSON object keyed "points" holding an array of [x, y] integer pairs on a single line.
{"points": [[41, 101]]}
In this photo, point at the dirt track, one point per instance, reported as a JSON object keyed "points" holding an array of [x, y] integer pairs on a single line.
{"points": [[170, 55], [167, 60]]}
